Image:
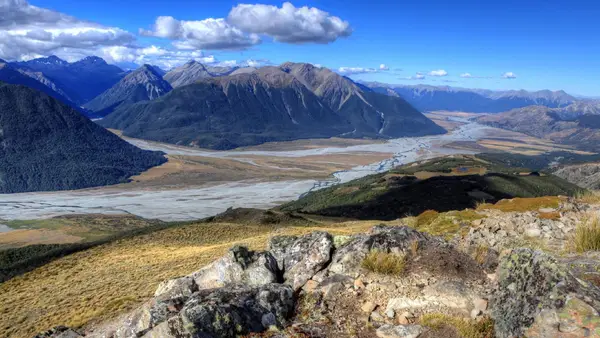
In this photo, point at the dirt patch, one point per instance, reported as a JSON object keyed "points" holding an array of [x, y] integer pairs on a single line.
{"points": [[444, 261]]}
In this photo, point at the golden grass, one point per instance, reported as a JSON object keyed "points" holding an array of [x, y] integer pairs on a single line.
{"points": [[588, 196], [107, 280], [386, 263], [464, 327], [443, 224], [522, 204], [587, 236]]}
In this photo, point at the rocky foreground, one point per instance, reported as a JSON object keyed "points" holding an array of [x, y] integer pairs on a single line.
{"points": [[390, 282]]}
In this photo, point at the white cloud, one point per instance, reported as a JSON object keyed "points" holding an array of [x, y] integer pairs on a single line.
{"points": [[355, 70], [288, 23], [439, 72], [509, 75], [28, 31], [205, 34], [466, 75], [164, 58], [417, 76], [383, 67]]}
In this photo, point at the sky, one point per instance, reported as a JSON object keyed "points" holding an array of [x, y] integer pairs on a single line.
{"points": [[505, 44]]}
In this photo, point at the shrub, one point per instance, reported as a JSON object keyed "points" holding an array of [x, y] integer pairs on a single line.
{"points": [[587, 236], [464, 327], [384, 262]]}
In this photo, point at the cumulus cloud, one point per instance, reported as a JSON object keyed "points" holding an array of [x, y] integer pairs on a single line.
{"points": [[355, 70], [164, 58], [383, 67], [466, 75], [204, 34], [28, 31], [509, 75], [289, 23], [439, 72]]}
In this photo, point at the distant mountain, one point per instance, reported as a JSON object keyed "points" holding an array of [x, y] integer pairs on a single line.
{"points": [[577, 124], [159, 71], [270, 104], [47, 145], [143, 84], [82, 81], [372, 114], [431, 98], [231, 111], [35, 80], [194, 71]]}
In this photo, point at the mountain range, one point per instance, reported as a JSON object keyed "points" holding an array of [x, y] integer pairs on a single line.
{"points": [[292, 101], [143, 84], [434, 98], [82, 81], [577, 124], [47, 145]]}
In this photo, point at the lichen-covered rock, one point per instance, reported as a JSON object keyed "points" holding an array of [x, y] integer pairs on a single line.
{"points": [[230, 311], [176, 288], [347, 259], [59, 332], [239, 265], [537, 297], [303, 257], [399, 331]]}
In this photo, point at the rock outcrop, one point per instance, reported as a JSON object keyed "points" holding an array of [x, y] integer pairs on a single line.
{"points": [[318, 285], [537, 297]]}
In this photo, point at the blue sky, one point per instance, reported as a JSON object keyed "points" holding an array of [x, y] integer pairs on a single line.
{"points": [[544, 44]]}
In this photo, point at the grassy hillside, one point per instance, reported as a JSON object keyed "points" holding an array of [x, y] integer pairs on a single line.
{"points": [[443, 184], [109, 279]]}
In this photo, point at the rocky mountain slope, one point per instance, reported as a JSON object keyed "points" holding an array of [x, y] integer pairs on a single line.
{"points": [[577, 124], [143, 84], [194, 71], [47, 145], [432, 98], [371, 114], [293, 101], [487, 279], [82, 80]]}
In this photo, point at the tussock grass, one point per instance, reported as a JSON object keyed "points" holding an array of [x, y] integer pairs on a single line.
{"points": [[384, 262], [480, 253], [464, 327], [444, 224], [103, 282], [587, 235], [523, 204], [588, 196]]}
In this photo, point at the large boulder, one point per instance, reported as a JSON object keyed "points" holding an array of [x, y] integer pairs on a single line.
{"points": [[347, 259], [538, 297], [230, 311], [300, 258], [239, 265]]}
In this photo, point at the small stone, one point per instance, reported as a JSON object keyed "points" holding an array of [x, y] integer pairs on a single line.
{"points": [[310, 286], [533, 232], [480, 304], [399, 331], [358, 284], [475, 313], [477, 222], [376, 317], [547, 210], [368, 307], [390, 313]]}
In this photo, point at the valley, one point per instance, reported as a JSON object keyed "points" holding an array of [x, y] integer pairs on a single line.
{"points": [[197, 183]]}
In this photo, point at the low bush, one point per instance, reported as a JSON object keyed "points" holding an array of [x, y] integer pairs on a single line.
{"points": [[384, 262]]}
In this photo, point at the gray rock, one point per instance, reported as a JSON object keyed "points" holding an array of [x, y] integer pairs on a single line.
{"points": [[399, 331], [303, 258], [176, 288], [237, 310], [59, 332], [347, 259], [239, 265], [536, 297]]}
